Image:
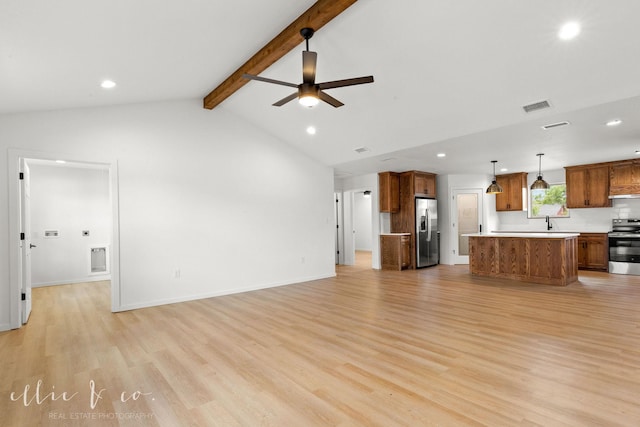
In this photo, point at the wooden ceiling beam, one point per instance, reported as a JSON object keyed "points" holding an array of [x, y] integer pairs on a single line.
{"points": [[315, 17]]}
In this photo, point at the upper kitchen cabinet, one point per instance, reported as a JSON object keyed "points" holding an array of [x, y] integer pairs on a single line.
{"points": [[389, 185], [624, 178], [588, 186], [418, 184], [514, 194]]}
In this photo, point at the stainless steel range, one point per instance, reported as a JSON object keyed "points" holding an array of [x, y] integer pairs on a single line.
{"points": [[624, 247]]}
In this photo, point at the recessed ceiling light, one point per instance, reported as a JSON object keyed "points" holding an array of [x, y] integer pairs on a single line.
{"points": [[311, 130], [61, 162], [108, 84], [569, 30], [614, 122], [441, 155], [637, 152], [503, 169]]}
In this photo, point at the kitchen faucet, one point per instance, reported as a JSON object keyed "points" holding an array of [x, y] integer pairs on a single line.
{"points": [[549, 226]]}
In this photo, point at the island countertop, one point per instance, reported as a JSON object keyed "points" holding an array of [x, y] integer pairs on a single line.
{"points": [[526, 235]]}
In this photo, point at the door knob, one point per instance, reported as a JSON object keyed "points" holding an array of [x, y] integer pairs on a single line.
{"points": [[31, 246]]}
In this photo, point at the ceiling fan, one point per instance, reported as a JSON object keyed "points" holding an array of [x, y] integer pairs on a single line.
{"points": [[309, 92]]}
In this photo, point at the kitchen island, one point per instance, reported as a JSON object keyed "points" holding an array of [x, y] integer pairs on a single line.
{"points": [[547, 258]]}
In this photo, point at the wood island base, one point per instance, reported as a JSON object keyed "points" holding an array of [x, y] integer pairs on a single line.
{"points": [[547, 258]]}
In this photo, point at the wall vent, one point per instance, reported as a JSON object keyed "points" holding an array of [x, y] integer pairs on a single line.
{"points": [[536, 106], [554, 125], [361, 150], [99, 260]]}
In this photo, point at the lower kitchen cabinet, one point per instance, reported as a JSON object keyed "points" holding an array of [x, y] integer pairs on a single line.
{"points": [[395, 251], [593, 251]]}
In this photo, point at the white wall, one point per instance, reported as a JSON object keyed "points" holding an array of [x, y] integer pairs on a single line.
{"points": [[70, 200], [362, 223], [446, 184], [200, 191]]}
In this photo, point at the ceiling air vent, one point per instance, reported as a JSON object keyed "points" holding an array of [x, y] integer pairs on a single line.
{"points": [[536, 106], [554, 125], [361, 150]]}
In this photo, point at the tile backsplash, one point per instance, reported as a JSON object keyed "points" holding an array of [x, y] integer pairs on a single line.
{"points": [[596, 220]]}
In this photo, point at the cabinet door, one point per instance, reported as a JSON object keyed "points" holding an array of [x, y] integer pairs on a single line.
{"points": [[425, 184], [515, 193], [512, 197], [593, 252], [597, 254], [389, 185], [406, 251], [576, 187], [624, 178], [502, 199], [598, 187]]}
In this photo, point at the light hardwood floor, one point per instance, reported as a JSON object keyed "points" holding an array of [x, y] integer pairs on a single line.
{"points": [[432, 347]]}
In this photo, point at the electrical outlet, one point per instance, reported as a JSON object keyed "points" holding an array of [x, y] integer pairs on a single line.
{"points": [[302, 260], [176, 273]]}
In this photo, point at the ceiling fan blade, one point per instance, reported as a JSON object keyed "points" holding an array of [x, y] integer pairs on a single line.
{"points": [[346, 82], [285, 100], [329, 99], [266, 80], [309, 66]]}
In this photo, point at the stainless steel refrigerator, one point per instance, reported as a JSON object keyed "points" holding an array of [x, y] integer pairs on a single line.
{"points": [[427, 234]]}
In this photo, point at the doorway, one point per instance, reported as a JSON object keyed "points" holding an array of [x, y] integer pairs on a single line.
{"points": [[355, 234], [19, 222], [466, 212]]}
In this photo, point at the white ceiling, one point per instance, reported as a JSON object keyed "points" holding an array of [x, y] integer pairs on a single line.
{"points": [[449, 76]]}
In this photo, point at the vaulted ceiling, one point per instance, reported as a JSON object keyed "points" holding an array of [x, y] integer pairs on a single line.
{"points": [[450, 77]]}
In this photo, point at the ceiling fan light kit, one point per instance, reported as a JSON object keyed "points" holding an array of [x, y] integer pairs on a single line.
{"points": [[309, 92]]}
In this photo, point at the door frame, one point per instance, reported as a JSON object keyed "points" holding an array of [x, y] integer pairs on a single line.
{"points": [[457, 258], [14, 158]]}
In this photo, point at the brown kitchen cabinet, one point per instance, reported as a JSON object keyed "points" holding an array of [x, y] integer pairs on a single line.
{"points": [[593, 251], [395, 251], [389, 188], [514, 194], [624, 178], [412, 184], [424, 184], [588, 186]]}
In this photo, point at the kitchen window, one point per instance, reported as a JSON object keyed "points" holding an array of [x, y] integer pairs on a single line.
{"points": [[551, 202]]}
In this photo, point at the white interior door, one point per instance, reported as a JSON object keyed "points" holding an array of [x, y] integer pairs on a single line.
{"points": [[25, 223], [466, 211]]}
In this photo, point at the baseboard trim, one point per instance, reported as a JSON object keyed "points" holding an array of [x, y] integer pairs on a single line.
{"points": [[127, 307], [71, 282]]}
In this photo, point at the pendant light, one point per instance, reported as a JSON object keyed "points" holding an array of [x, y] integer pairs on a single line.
{"points": [[494, 188], [540, 184]]}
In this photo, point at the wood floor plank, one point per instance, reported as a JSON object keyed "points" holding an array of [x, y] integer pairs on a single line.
{"points": [[433, 346]]}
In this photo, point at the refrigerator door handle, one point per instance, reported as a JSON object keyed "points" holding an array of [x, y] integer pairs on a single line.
{"points": [[426, 211]]}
